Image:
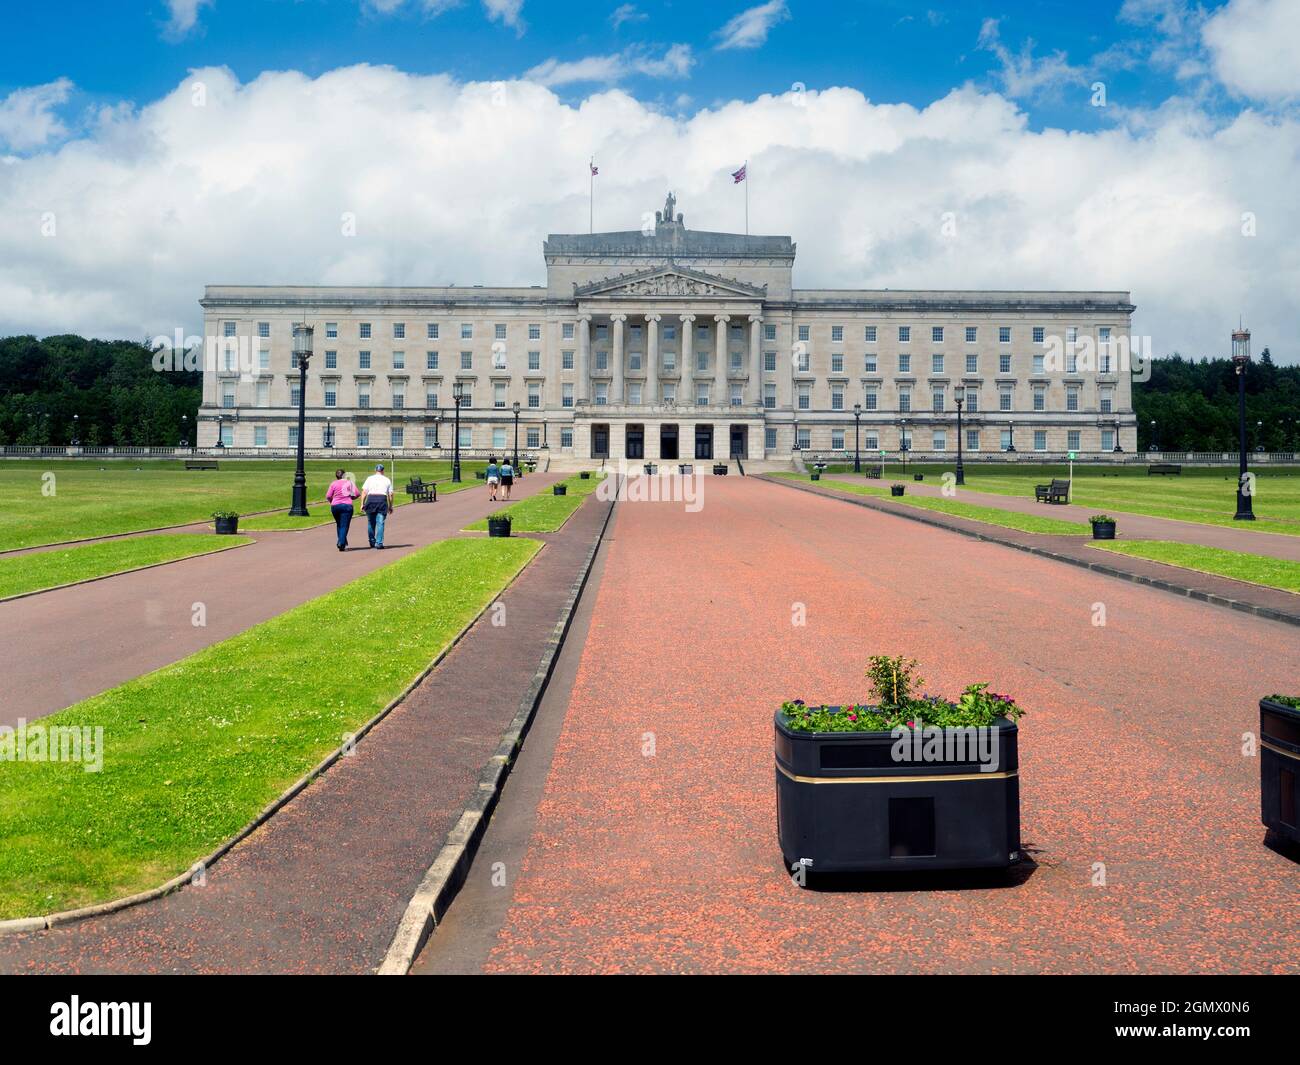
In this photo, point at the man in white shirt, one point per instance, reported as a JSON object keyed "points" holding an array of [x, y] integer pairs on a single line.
{"points": [[377, 502]]}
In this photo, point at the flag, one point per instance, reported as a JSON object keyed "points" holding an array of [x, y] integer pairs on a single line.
{"points": [[739, 175], [594, 169]]}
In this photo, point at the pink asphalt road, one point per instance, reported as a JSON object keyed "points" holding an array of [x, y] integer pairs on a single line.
{"points": [[652, 846]]}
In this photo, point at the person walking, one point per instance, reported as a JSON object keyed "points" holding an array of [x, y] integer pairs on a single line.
{"points": [[377, 502], [493, 477], [339, 496], [507, 477]]}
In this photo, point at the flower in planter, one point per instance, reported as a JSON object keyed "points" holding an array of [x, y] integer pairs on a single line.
{"points": [[225, 515], [1102, 519]]}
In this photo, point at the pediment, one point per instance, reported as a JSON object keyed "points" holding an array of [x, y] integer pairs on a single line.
{"points": [[671, 280]]}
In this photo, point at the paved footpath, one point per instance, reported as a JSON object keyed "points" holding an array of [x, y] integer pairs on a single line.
{"points": [[1139, 808], [321, 887], [79, 641]]}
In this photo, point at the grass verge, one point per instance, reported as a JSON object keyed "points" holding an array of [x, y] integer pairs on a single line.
{"points": [[546, 512], [20, 574], [1253, 569], [194, 751]]}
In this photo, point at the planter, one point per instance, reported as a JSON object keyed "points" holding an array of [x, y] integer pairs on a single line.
{"points": [[918, 477], [1279, 766], [585, 475], [897, 489], [560, 489], [226, 526], [816, 477], [868, 802], [498, 526], [685, 469], [1103, 530], [719, 470], [650, 467]]}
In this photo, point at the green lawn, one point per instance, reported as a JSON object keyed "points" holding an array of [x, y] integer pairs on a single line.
{"points": [[1199, 494], [958, 509], [194, 751], [546, 512], [49, 569], [49, 501], [1257, 569]]}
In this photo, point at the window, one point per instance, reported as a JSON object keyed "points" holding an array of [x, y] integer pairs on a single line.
{"points": [[264, 359], [498, 394], [363, 394], [634, 392], [805, 397], [331, 330], [431, 331], [1004, 399], [264, 329], [769, 362], [1004, 362], [972, 363], [1071, 399], [904, 400], [837, 334], [534, 360], [701, 360], [1039, 334], [534, 394], [1038, 364], [736, 397], [1004, 439], [1103, 335], [769, 396], [534, 331], [399, 360], [467, 330], [566, 331], [466, 396], [871, 442], [295, 395], [972, 334], [1071, 362], [805, 361], [869, 334], [331, 394], [259, 436], [602, 394], [228, 329], [1072, 334], [869, 362], [331, 360], [602, 360], [431, 399], [837, 397], [904, 334], [803, 438], [1040, 439], [499, 331], [1004, 334], [566, 359], [670, 360], [532, 437], [293, 360], [1106, 402], [498, 439], [566, 394], [769, 331], [1108, 440], [936, 334], [837, 362], [566, 437], [769, 438], [701, 394], [972, 401], [1072, 440], [837, 439], [670, 392], [363, 436], [293, 436], [905, 363], [1040, 399], [871, 399], [466, 436], [936, 401], [430, 360], [399, 395], [939, 441], [363, 359], [399, 330], [1104, 362], [736, 361], [467, 360], [702, 332], [803, 332], [430, 436], [736, 333], [670, 332], [936, 364], [363, 330], [972, 439], [263, 394], [395, 436]]}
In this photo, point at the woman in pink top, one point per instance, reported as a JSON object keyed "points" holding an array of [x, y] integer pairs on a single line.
{"points": [[339, 496]]}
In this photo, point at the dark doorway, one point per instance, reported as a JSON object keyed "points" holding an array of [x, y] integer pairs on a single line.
{"points": [[668, 442], [636, 441], [740, 442], [600, 441], [704, 441]]}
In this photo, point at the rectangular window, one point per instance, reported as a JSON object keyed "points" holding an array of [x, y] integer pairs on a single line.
{"points": [[1106, 403], [534, 331], [670, 332], [805, 397], [1103, 334], [769, 362], [670, 360], [263, 393], [467, 330], [805, 361], [869, 362], [331, 394], [803, 332], [736, 360], [936, 334], [431, 331], [293, 360], [803, 438], [363, 360], [939, 441], [498, 394], [972, 401], [837, 334], [534, 394], [972, 363], [430, 436], [871, 442], [1039, 334], [972, 334], [466, 436], [602, 360], [399, 330], [295, 395], [1040, 399], [1004, 334], [1071, 362], [769, 331], [1108, 440], [363, 396], [399, 360], [363, 436], [1039, 366], [670, 392], [701, 360], [701, 394], [264, 359], [634, 392], [259, 436], [467, 360], [936, 364], [837, 362], [331, 360], [1004, 439], [566, 331], [972, 439], [331, 330], [228, 328], [837, 439], [566, 437], [1072, 399], [431, 399], [871, 399], [430, 360], [869, 334], [293, 436], [769, 438], [904, 334], [499, 439], [532, 437], [1072, 335], [904, 400], [534, 360], [904, 363], [566, 359], [1040, 439], [399, 395], [1004, 362], [936, 401], [264, 329], [566, 394], [736, 397], [769, 397], [363, 330], [499, 330], [837, 398], [1072, 440], [395, 436]]}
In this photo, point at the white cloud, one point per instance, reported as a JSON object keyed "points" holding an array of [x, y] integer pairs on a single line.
{"points": [[626, 13], [27, 118], [675, 62], [1022, 75], [1254, 45], [183, 17], [462, 182], [505, 11], [750, 28]]}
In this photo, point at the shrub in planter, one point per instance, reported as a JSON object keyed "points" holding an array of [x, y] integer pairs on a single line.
{"points": [[897, 489], [226, 522], [906, 782], [918, 477], [1103, 527], [585, 475], [816, 476], [1279, 764], [499, 523], [560, 489], [719, 469]]}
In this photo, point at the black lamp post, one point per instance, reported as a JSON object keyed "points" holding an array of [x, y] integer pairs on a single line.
{"points": [[457, 391], [329, 433], [515, 463], [221, 430], [959, 394], [857, 436], [1011, 436], [1259, 436], [1118, 448], [302, 337], [1151, 443], [1240, 360], [903, 445], [185, 430], [75, 439]]}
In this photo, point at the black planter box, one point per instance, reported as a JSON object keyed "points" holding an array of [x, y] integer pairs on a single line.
{"points": [[585, 475], [1279, 766], [816, 477], [560, 489], [897, 489], [1103, 530], [719, 470], [498, 526], [918, 477], [226, 526], [685, 469], [650, 467], [845, 803]]}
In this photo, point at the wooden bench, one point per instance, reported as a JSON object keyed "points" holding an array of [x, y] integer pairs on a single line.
{"points": [[875, 471], [1056, 492], [421, 491], [1164, 467], [200, 464]]}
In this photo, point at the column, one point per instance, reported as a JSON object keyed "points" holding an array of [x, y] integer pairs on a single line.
{"points": [[688, 358], [616, 384], [652, 353], [721, 397], [756, 357], [584, 359]]}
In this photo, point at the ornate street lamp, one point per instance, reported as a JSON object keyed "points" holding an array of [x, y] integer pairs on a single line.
{"points": [[302, 340], [857, 434], [515, 463], [1241, 360], [1011, 437], [1259, 436], [959, 394], [221, 430], [185, 430], [329, 433], [1151, 442], [75, 439], [904, 445], [457, 391]]}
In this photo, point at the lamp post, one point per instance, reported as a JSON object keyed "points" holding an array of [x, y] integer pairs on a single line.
{"points": [[1259, 436], [515, 463], [185, 430], [329, 433], [221, 430], [1240, 360], [1011, 437], [1151, 443], [457, 390], [75, 439], [302, 337], [857, 436], [903, 445], [959, 394]]}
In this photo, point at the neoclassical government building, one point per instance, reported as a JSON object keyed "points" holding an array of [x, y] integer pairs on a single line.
{"points": [[670, 343]]}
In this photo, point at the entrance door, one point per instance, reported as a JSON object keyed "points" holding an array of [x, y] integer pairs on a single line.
{"points": [[704, 441], [668, 442], [739, 442], [636, 441], [600, 441]]}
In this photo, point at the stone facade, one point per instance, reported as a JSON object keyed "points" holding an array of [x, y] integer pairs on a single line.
{"points": [[671, 343]]}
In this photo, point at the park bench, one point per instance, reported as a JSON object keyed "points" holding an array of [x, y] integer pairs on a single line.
{"points": [[875, 471], [200, 464], [422, 492], [1164, 467], [1056, 492]]}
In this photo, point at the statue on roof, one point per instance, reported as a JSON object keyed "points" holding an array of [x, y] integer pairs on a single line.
{"points": [[669, 205]]}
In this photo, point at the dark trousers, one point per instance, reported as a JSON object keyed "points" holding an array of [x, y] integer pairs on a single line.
{"points": [[342, 520]]}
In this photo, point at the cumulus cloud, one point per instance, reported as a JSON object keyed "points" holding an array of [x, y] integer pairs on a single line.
{"points": [[1023, 75], [750, 28], [183, 17], [1253, 46], [626, 13], [28, 118], [462, 182], [674, 62]]}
